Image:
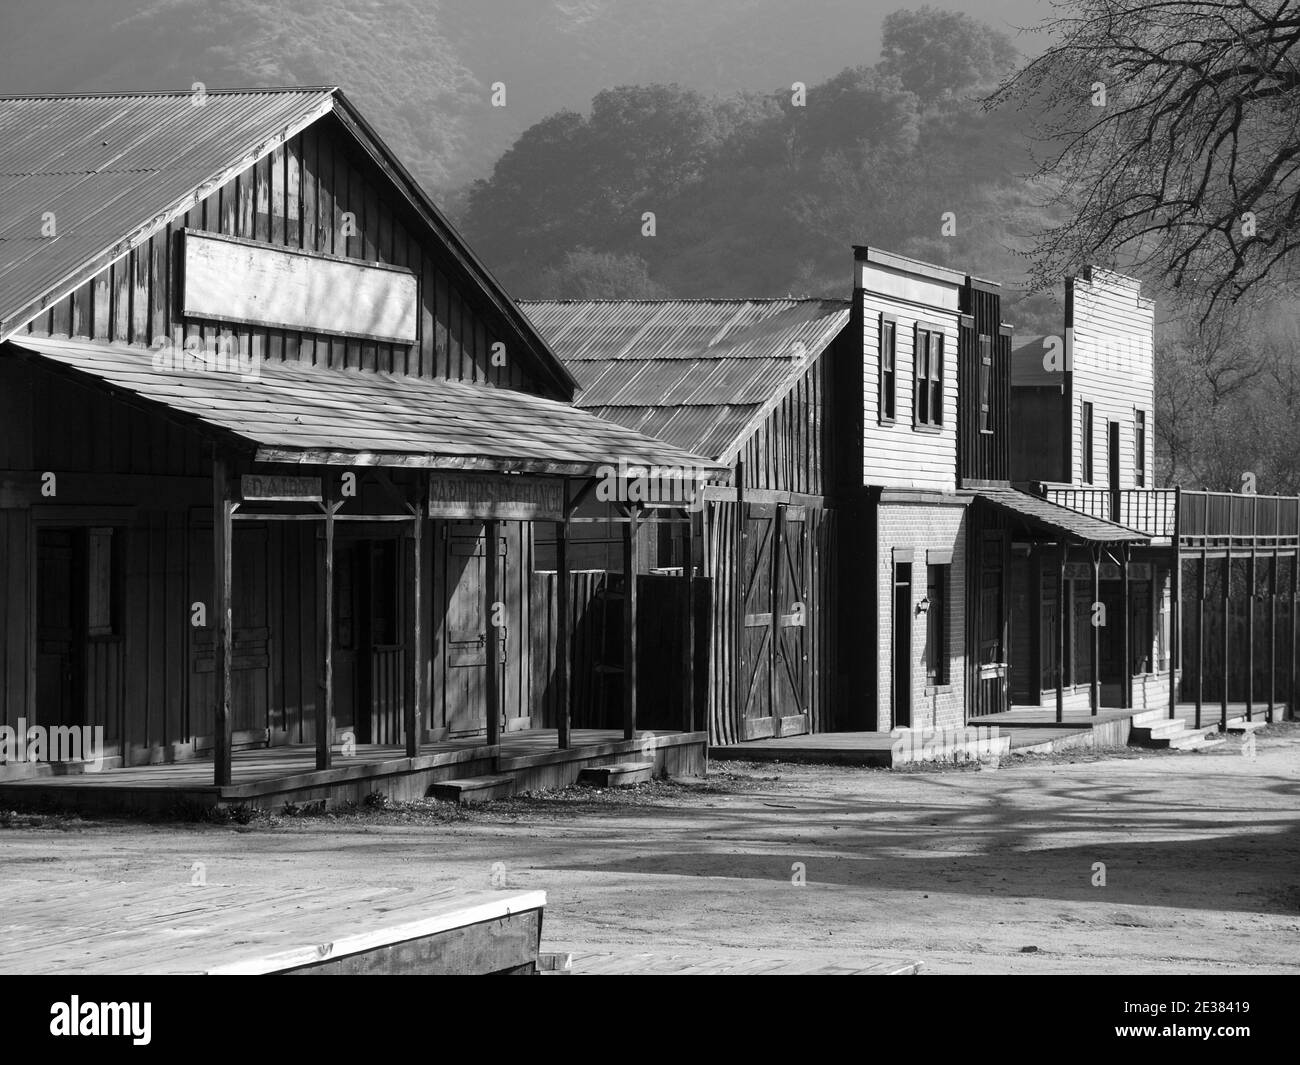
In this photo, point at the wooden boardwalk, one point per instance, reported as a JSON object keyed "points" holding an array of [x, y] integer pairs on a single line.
{"points": [[275, 775], [126, 929]]}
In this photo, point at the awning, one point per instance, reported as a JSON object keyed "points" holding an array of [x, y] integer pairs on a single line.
{"points": [[295, 413], [1043, 515]]}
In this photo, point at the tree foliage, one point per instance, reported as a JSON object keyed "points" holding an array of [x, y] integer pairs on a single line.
{"points": [[1174, 129]]}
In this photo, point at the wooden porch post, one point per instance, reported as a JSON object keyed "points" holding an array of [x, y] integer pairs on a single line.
{"points": [[688, 632], [1295, 601], [413, 708], [222, 530], [1227, 587], [1272, 635], [1126, 669], [1060, 634], [325, 632], [1175, 608], [492, 689], [562, 638], [1252, 575], [630, 530], [1200, 636], [1094, 695]]}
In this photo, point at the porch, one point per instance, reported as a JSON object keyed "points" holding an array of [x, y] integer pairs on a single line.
{"points": [[272, 777]]}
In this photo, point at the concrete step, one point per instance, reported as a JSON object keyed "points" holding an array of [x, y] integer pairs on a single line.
{"points": [[1156, 729], [1194, 741], [473, 789], [1241, 725], [617, 775], [1150, 717]]}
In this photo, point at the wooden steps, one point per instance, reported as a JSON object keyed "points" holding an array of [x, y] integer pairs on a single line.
{"points": [[617, 775], [1156, 730], [1241, 726], [469, 790]]}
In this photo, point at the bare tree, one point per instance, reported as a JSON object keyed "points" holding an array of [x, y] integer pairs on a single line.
{"points": [[1172, 131]]}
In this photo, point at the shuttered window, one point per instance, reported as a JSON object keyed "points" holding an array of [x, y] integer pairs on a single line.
{"points": [[1140, 449], [986, 383]]}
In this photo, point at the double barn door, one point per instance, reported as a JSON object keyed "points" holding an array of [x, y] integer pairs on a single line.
{"points": [[773, 661]]}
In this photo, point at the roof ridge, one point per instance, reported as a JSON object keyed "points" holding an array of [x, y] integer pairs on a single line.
{"points": [[138, 93]]}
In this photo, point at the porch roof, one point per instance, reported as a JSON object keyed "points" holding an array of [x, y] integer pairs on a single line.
{"points": [[296, 413], [1044, 515]]}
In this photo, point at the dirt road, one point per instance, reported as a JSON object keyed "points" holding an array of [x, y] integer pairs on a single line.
{"points": [[967, 870]]}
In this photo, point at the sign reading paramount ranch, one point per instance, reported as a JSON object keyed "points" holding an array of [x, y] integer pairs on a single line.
{"points": [[510, 498]]}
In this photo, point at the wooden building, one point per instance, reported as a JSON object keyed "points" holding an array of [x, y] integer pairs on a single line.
{"points": [[930, 594], [758, 387], [1202, 607], [273, 441]]}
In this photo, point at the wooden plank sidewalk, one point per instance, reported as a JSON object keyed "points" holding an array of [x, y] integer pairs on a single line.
{"points": [[141, 929]]}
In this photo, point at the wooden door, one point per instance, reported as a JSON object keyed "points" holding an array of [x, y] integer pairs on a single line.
{"points": [[758, 536], [902, 672], [790, 621], [59, 636], [250, 654], [466, 620]]}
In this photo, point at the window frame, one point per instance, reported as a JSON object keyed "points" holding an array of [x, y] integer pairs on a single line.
{"points": [[1088, 464], [928, 341], [887, 399], [938, 667]]}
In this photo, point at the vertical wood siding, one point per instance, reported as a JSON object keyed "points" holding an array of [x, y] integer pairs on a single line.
{"points": [[296, 198]]}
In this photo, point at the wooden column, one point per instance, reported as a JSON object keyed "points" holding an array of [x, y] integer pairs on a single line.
{"points": [[1094, 694], [413, 703], [1291, 645], [325, 632], [1272, 636], [1252, 575], [688, 637], [563, 637], [492, 689], [630, 529], [1227, 587], [1060, 634], [222, 531], [1175, 606], [1126, 663], [1200, 637]]}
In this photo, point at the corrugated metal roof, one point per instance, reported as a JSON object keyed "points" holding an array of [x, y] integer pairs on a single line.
{"points": [[366, 418], [1058, 519], [693, 372], [106, 165]]}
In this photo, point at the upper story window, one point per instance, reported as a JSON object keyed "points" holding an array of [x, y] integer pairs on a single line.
{"points": [[1140, 449], [927, 384], [986, 383], [1085, 430], [888, 368]]}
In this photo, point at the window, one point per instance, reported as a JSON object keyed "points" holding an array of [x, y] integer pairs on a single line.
{"points": [[100, 591], [1086, 433], [986, 383], [888, 368], [936, 625], [1140, 450], [927, 385]]}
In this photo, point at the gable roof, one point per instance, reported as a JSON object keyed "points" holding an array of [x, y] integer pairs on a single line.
{"points": [[114, 168], [700, 374], [297, 413]]}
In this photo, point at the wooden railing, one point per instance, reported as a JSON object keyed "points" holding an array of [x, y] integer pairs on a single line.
{"points": [[1228, 518], [1149, 510], [1213, 518]]}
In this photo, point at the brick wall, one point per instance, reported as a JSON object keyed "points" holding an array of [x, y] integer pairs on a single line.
{"points": [[938, 525]]}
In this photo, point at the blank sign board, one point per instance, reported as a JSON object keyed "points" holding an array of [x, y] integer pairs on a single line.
{"points": [[232, 280]]}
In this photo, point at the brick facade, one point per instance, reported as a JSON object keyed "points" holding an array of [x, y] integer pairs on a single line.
{"points": [[935, 524]]}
